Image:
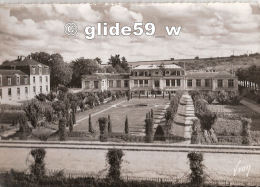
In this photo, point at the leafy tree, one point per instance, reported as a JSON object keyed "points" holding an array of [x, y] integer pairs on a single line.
{"points": [[114, 159], [38, 167], [98, 60], [34, 111], [120, 64], [207, 119], [126, 126], [109, 125], [60, 72], [82, 66], [196, 166]]}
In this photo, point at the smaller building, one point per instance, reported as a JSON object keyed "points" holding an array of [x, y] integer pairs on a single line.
{"points": [[14, 85]]}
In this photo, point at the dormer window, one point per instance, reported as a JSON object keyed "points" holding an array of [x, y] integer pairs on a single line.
{"points": [[33, 70], [17, 80], [25, 80]]}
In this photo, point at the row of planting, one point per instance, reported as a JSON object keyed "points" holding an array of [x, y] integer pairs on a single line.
{"points": [[38, 175], [203, 130]]}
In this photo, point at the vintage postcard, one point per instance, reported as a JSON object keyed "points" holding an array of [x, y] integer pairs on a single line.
{"points": [[130, 94]]}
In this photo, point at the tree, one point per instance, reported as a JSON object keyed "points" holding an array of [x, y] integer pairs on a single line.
{"points": [[90, 128], [34, 111], [148, 129], [82, 66], [151, 113], [196, 166], [207, 119], [62, 129], [38, 167], [103, 129], [246, 135], [114, 159], [195, 132], [109, 125], [60, 72], [120, 64], [98, 60], [126, 126]]}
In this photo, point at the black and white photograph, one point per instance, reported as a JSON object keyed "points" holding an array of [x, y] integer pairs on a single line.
{"points": [[130, 94]]}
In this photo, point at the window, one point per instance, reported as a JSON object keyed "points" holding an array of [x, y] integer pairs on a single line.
{"points": [[18, 91], [136, 73], [207, 82], [167, 72], [33, 79], [40, 70], [33, 70], [118, 83], [47, 89], [1, 93], [231, 83], [156, 73], [25, 80], [9, 92], [87, 84], [189, 83], [0, 80], [173, 82], [126, 83], [141, 83], [9, 81], [173, 73], [46, 78], [145, 74], [40, 79], [96, 84], [40, 89], [220, 83], [136, 83], [167, 82], [26, 90], [178, 73], [146, 82], [17, 80], [157, 83], [110, 83], [141, 73], [178, 82], [198, 82], [34, 89]]}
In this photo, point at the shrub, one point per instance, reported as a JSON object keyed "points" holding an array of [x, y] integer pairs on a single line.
{"points": [[126, 126], [195, 132], [41, 97], [109, 124], [103, 128], [90, 128], [207, 119], [209, 97], [247, 139], [34, 111], [114, 159], [222, 97], [196, 167], [234, 98], [62, 129], [38, 167], [200, 106]]}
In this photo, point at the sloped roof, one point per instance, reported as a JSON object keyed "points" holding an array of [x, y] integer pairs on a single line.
{"points": [[11, 72], [106, 75], [152, 66], [25, 62], [205, 74]]}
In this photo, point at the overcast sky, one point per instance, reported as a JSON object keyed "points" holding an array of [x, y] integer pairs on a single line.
{"points": [[208, 30]]}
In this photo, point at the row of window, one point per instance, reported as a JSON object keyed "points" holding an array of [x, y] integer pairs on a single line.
{"points": [[18, 90], [208, 83], [18, 80], [110, 84], [141, 83], [173, 82], [40, 70], [147, 74], [46, 79]]}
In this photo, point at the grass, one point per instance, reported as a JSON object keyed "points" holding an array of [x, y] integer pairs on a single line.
{"points": [[135, 109]]}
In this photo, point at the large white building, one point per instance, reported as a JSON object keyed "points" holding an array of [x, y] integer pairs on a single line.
{"points": [[160, 79], [23, 79]]}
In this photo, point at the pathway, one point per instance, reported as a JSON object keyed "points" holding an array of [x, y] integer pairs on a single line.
{"points": [[250, 104]]}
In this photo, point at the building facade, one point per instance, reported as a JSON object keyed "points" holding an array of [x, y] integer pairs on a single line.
{"points": [[34, 79], [160, 79]]}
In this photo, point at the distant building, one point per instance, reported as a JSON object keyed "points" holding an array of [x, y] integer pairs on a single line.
{"points": [[23, 79], [160, 79]]}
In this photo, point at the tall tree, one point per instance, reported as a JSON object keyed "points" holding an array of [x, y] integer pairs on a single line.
{"points": [[80, 67], [126, 126], [120, 64], [60, 72]]}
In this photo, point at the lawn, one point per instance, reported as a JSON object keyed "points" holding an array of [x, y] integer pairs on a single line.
{"points": [[135, 110]]}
